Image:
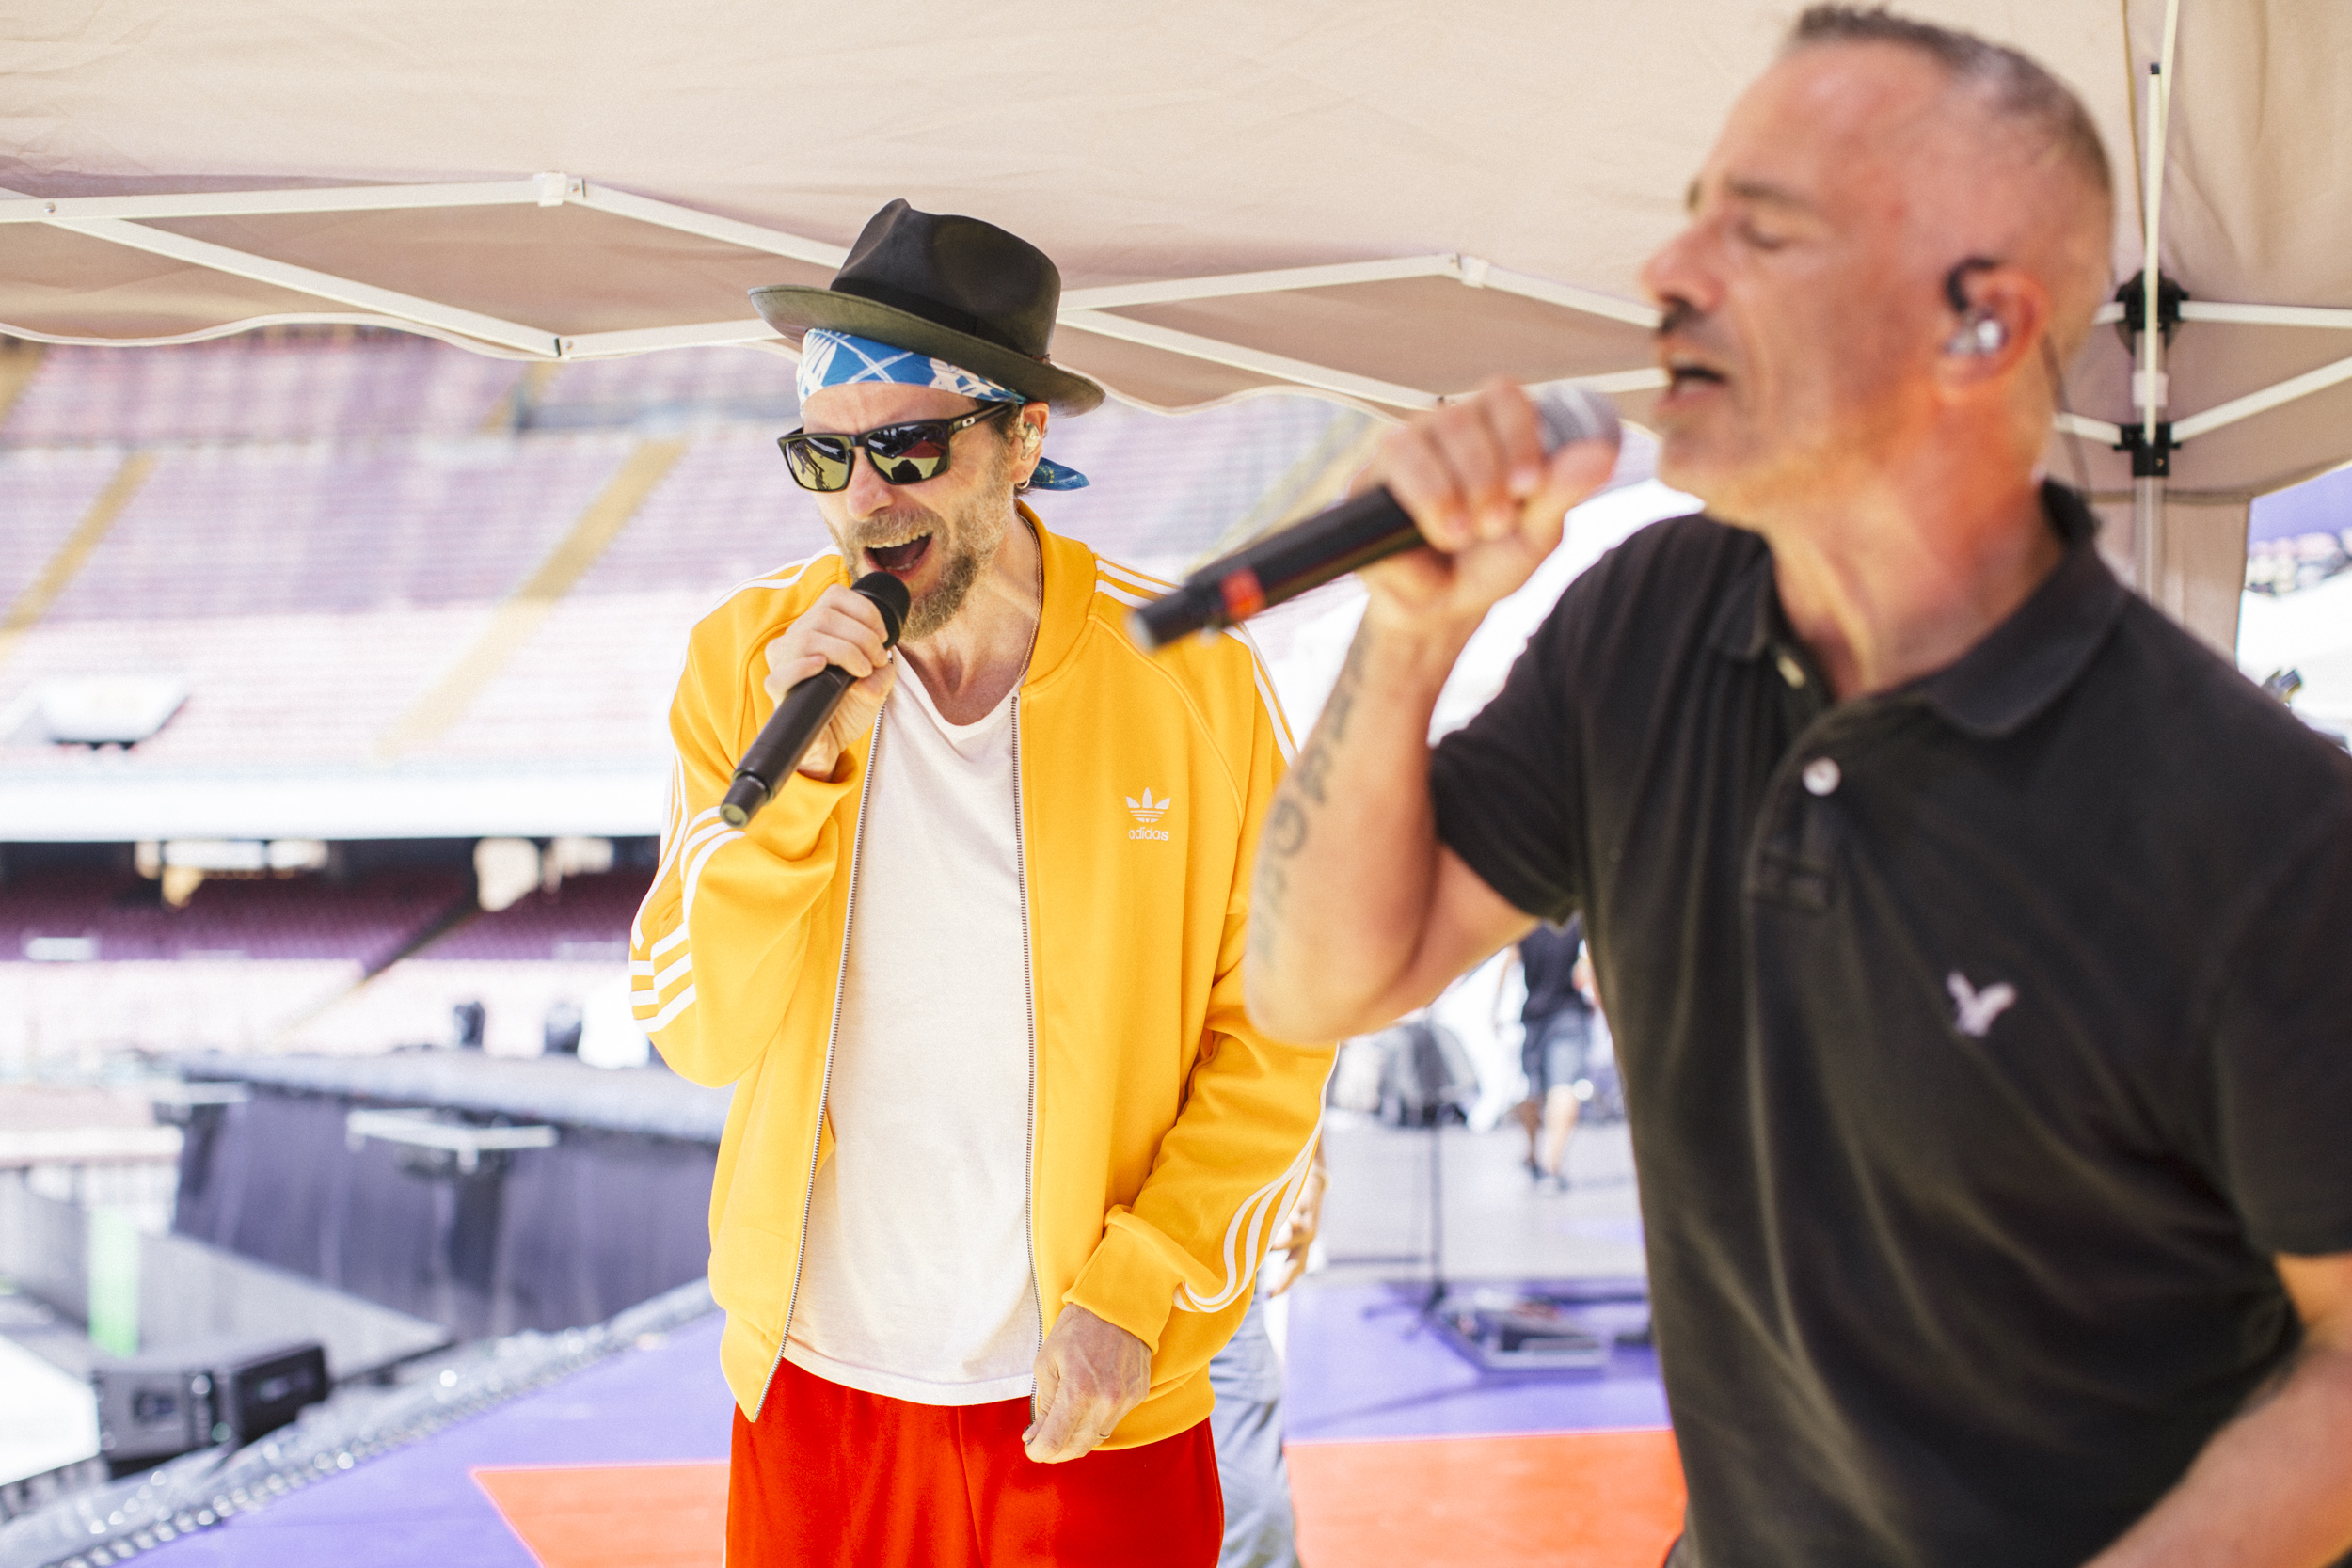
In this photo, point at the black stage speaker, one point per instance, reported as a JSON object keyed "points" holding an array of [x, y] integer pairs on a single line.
{"points": [[156, 1406]]}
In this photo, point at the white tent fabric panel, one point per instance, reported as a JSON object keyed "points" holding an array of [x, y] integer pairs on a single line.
{"points": [[2199, 578]]}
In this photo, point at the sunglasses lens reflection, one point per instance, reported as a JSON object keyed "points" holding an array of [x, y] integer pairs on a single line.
{"points": [[902, 453], [908, 453], [818, 461]]}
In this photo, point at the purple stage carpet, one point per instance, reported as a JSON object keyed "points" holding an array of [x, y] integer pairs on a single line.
{"points": [[1402, 1451]]}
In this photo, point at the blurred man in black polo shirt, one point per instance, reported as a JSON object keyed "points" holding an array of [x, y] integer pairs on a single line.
{"points": [[1977, 946]]}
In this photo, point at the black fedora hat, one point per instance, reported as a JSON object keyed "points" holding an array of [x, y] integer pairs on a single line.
{"points": [[953, 288]]}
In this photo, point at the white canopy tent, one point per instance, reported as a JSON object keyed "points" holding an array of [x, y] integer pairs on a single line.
{"points": [[1379, 202]]}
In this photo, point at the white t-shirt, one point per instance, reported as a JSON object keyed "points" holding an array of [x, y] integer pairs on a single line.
{"points": [[915, 1280]]}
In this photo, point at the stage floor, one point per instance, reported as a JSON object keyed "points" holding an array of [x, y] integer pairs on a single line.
{"points": [[1401, 1454]]}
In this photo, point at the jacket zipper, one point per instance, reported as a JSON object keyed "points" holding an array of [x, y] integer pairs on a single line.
{"points": [[1028, 990], [833, 1038]]}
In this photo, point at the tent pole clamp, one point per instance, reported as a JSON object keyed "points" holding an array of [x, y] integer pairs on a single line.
{"points": [[2133, 297], [2149, 460], [2151, 450]]}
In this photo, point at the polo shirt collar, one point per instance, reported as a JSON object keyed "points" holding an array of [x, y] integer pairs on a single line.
{"points": [[2023, 664], [2015, 670]]}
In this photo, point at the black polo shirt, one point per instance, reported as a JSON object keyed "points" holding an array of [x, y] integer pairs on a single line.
{"points": [[1982, 1039]]}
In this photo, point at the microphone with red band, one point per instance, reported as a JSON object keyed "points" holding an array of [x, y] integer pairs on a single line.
{"points": [[802, 714], [1331, 543]]}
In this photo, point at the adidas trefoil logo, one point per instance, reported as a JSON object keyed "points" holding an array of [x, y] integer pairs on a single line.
{"points": [[1148, 811], [1976, 1009]]}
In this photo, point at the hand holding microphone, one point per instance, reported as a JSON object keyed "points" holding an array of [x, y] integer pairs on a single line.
{"points": [[833, 666], [1483, 482]]}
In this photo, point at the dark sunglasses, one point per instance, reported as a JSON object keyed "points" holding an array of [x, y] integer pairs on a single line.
{"points": [[902, 453]]}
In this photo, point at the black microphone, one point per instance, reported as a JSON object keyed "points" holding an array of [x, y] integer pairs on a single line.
{"points": [[1333, 543], [806, 706]]}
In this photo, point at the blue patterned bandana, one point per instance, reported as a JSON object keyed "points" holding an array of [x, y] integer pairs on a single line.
{"points": [[839, 358]]}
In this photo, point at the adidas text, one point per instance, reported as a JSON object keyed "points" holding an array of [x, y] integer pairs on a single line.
{"points": [[1160, 833]]}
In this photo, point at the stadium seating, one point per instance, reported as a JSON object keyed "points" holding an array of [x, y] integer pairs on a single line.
{"points": [[268, 963], [368, 920], [263, 387], [362, 552], [726, 512], [567, 946], [1164, 490], [680, 389], [75, 1017], [275, 529], [314, 582], [93, 962], [48, 491]]}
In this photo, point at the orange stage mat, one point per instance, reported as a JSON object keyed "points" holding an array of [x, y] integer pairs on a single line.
{"points": [[614, 1515], [1587, 1499], [1584, 1500]]}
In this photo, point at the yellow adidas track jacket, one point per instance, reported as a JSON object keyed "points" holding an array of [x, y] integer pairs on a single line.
{"points": [[1168, 1137]]}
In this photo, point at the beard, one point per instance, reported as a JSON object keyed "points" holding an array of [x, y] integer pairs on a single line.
{"points": [[965, 540]]}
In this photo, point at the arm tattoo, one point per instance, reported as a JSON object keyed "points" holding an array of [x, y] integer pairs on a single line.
{"points": [[1287, 825], [1265, 909], [1314, 762], [1286, 829]]}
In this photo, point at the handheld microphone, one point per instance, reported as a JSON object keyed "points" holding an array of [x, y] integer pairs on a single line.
{"points": [[806, 706], [1333, 543]]}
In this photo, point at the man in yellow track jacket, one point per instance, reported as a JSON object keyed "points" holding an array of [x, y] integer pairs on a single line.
{"points": [[1004, 1151]]}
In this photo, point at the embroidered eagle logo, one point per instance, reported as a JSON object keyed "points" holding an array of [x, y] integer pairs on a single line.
{"points": [[1976, 1009]]}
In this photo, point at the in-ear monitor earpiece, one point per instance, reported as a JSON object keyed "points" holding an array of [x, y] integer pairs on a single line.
{"points": [[1981, 331], [1978, 334]]}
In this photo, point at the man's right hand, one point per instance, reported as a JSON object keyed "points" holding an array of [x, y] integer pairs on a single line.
{"points": [[1475, 477], [842, 629]]}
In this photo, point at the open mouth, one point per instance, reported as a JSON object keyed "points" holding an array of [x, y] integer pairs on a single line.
{"points": [[1682, 376], [900, 558]]}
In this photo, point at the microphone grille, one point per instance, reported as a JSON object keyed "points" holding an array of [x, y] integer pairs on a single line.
{"points": [[890, 596], [1573, 413]]}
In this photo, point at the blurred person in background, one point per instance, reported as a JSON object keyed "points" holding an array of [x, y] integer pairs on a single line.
{"points": [[1261, 1527], [1555, 1047], [1975, 939], [1003, 1147]]}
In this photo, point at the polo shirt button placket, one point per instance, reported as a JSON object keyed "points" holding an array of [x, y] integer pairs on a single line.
{"points": [[1795, 862]]}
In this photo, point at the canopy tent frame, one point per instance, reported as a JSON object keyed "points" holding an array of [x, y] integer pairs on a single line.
{"points": [[126, 220], [2221, 415], [2157, 437]]}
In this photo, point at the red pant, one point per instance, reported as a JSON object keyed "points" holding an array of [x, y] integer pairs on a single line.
{"points": [[830, 1475]]}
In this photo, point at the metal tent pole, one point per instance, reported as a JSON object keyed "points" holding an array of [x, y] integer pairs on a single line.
{"points": [[2151, 467]]}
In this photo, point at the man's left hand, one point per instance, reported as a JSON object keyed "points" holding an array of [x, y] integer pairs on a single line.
{"points": [[1297, 1236], [1089, 1374]]}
